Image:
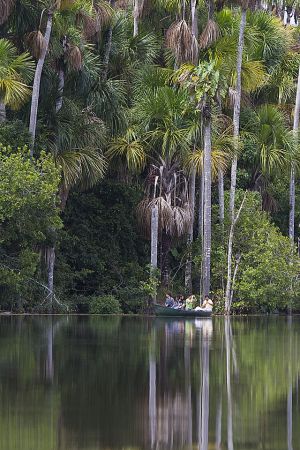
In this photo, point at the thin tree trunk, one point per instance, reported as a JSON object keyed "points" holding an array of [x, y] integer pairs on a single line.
{"points": [[61, 85], [292, 179], [37, 82], [221, 195], [188, 266], [154, 242], [228, 296], [2, 112], [50, 272], [165, 270], [135, 18], [207, 201], [107, 49], [237, 108], [201, 206], [194, 17]]}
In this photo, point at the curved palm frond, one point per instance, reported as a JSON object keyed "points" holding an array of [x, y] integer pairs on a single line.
{"points": [[83, 167], [130, 150], [15, 70]]}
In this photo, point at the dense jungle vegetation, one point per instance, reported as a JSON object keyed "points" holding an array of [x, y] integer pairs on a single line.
{"points": [[149, 137]]}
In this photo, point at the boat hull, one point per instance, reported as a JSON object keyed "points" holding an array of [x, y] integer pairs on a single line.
{"points": [[172, 312]]}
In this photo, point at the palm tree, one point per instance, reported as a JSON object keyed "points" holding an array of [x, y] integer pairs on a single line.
{"points": [[203, 82], [41, 45], [15, 71], [78, 152], [292, 177]]}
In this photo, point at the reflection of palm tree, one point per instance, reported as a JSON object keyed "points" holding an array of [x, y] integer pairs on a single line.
{"points": [[204, 386], [290, 396], [152, 388], [228, 344]]}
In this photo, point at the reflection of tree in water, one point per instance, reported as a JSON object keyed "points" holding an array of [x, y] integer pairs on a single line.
{"points": [[171, 399]]}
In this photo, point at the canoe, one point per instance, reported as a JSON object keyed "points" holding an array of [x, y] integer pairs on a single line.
{"points": [[173, 312]]}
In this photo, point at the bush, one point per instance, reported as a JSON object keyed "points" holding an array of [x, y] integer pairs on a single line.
{"points": [[107, 304]]}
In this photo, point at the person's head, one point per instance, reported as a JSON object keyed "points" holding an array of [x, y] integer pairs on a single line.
{"points": [[207, 298]]}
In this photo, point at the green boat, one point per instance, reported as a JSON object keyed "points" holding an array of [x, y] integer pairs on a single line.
{"points": [[174, 312]]}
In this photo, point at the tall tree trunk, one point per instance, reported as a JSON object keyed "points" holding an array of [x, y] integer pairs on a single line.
{"points": [[154, 242], [166, 244], [107, 49], [292, 179], [188, 265], [2, 112], [37, 82], [207, 200], [135, 18], [221, 195], [201, 206], [194, 15], [237, 108], [228, 293]]}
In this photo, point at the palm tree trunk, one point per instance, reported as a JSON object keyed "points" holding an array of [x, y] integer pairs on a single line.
{"points": [[2, 113], [154, 242], [165, 270], [201, 206], [188, 266], [135, 18], [37, 82], [237, 108], [207, 200], [221, 195], [194, 16], [292, 179]]}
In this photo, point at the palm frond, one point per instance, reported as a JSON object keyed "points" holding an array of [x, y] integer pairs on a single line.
{"points": [[209, 34], [181, 40], [6, 7]]}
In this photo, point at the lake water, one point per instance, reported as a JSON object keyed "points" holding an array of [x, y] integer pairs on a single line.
{"points": [[70, 383]]}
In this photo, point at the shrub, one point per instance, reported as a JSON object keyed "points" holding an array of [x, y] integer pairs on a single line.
{"points": [[106, 304]]}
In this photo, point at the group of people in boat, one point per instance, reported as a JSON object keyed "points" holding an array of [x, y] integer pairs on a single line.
{"points": [[189, 303]]}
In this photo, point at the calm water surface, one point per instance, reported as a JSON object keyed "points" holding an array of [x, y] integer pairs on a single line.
{"points": [[131, 384]]}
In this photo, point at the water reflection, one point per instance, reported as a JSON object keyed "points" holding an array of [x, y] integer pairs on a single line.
{"points": [[135, 384]]}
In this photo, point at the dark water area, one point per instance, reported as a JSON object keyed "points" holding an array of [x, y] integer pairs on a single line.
{"points": [[128, 383]]}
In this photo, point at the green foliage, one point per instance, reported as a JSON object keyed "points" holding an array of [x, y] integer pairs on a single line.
{"points": [[107, 304], [267, 276], [28, 216]]}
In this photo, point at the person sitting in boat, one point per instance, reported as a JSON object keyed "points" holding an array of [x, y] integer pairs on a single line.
{"points": [[207, 305], [169, 302], [190, 302], [181, 303]]}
